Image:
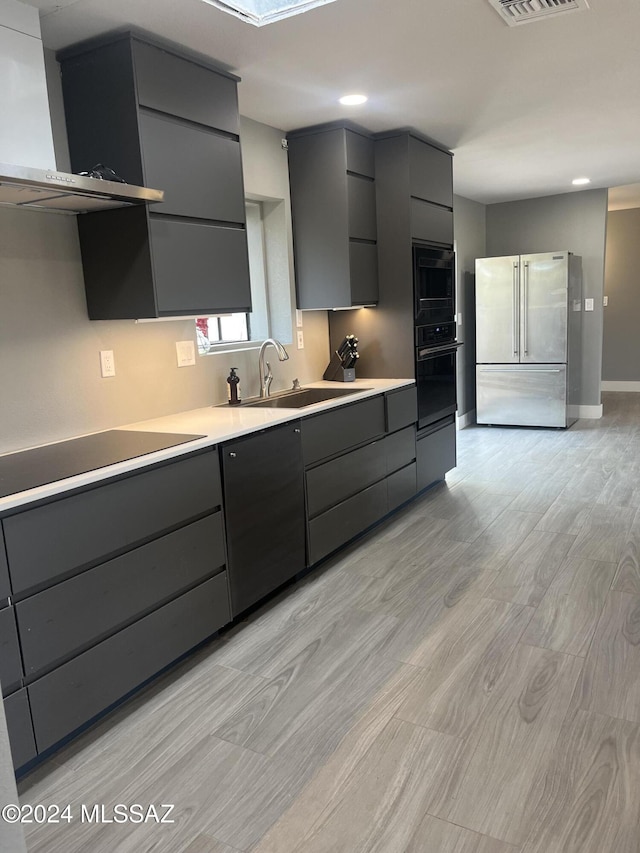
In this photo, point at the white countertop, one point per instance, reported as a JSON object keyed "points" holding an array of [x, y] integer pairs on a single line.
{"points": [[215, 423]]}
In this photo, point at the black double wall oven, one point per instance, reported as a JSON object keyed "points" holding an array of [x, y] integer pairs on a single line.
{"points": [[435, 334]]}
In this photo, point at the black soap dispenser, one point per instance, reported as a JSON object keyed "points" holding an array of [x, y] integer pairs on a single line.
{"points": [[233, 381]]}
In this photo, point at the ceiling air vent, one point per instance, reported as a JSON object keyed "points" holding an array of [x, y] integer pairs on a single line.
{"points": [[516, 12]]}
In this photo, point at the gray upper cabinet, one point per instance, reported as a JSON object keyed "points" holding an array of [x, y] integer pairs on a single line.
{"points": [[430, 173], [331, 170], [168, 121]]}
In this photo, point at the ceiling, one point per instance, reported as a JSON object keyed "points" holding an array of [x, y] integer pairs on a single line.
{"points": [[524, 109]]}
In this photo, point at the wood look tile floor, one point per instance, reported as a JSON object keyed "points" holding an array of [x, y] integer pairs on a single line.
{"points": [[466, 679]]}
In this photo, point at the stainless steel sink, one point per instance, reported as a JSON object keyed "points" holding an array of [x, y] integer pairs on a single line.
{"points": [[305, 397]]}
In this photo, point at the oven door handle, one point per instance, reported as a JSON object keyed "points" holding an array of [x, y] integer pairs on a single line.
{"points": [[429, 351]]}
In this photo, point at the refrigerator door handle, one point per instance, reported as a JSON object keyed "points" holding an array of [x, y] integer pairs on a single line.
{"points": [[514, 319], [518, 370], [525, 309]]}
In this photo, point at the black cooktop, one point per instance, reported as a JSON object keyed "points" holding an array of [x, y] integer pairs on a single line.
{"points": [[28, 469]]}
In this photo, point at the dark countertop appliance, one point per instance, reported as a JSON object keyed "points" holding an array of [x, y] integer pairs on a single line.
{"points": [[28, 469]]}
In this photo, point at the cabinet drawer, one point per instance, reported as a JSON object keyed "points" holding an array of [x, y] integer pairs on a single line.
{"points": [[81, 611], [23, 745], [401, 486], [360, 154], [10, 662], [76, 692], [436, 454], [334, 481], [402, 408], [430, 173], [400, 448], [199, 171], [339, 429], [344, 521], [429, 222], [362, 208], [182, 88], [5, 587], [61, 537], [363, 267], [199, 267]]}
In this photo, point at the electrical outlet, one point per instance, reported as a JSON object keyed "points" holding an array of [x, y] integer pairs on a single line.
{"points": [[298, 318], [300, 339], [107, 363], [588, 304], [186, 353]]}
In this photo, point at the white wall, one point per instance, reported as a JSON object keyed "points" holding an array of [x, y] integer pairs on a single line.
{"points": [[49, 364], [574, 222]]}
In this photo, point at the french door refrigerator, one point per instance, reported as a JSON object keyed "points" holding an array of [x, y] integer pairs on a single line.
{"points": [[528, 339]]}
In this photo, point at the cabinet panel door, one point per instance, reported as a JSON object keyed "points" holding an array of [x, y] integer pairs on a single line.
{"points": [[430, 173], [334, 481], [264, 512], [400, 448], [5, 588], [332, 432], [10, 661], [436, 454], [199, 268], [23, 745], [344, 521], [430, 222], [182, 88], [79, 612], [199, 171], [401, 486], [63, 536], [402, 408], [363, 264], [360, 154], [362, 208], [107, 672]]}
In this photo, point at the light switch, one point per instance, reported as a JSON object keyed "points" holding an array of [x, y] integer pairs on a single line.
{"points": [[588, 304], [298, 318], [186, 353], [605, 301]]}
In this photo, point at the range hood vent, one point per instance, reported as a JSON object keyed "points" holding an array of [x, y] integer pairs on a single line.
{"points": [[516, 12], [59, 192]]}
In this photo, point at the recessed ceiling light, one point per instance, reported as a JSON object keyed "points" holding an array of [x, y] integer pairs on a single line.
{"points": [[353, 100], [261, 12], [578, 182]]}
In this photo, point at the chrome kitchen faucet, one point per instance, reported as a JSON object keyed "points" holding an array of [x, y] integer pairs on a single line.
{"points": [[266, 376]]}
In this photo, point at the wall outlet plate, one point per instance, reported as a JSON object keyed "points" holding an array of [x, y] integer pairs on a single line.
{"points": [[588, 304], [300, 338], [605, 301], [107, 363], [186, 353]]}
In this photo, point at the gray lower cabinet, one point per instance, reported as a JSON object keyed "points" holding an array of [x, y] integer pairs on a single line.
{"points": [[264, 509], [166, 120], [111, 585], [20, 728], [331, 170], [436, 452], [74, 693], [350, 485], [10, 662]]}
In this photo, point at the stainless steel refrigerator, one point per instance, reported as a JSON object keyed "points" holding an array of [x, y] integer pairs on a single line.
{"points": [[528, 339]]}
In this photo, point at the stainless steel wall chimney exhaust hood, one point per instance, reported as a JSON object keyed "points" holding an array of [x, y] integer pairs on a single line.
{"points": [[42, 189], [26, 138]]}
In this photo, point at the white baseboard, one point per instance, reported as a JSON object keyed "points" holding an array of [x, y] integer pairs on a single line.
{"points": [[466, 420], [589, 411], [619, 386]]}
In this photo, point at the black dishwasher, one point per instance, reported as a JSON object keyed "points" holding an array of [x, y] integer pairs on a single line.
{"points": [[263, 481]]}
